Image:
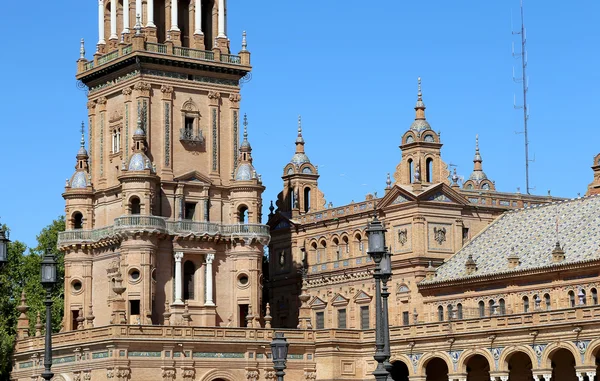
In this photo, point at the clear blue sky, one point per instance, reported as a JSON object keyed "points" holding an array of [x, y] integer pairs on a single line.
{"points": [[350, 68]]}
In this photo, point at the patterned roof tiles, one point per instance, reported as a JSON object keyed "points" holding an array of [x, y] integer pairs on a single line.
{"points": [[532, 232]]}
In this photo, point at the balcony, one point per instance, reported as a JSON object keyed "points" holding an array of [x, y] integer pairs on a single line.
{"points": [[154, 224], [187, 135]]}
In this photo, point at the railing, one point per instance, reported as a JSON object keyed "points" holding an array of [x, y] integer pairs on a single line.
{"points": [[339, 264], [186, 135], [193, 53], [153, 223], [108, 57], [88, 65], [230, 58], [128, 49], [156, 48]]}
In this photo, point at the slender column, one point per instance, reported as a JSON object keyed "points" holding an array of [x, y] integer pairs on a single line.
{"points": [[125, 16], [150, 15], [198, 17], [209, 280], [222, 19], [380, 372], [113, 20], [101, 22], [47, 374], [139, 11], [547, 377], [178, 257], [174, 15], [386, 326]]}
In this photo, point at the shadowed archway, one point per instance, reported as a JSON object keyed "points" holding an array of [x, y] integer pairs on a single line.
{"points": [[519, 367], [478, 369], [563, 365], [399, 371], [436, 370]]}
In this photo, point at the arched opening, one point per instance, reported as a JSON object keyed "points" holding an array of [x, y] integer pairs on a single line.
{"points": [[399, 371], [547, 301], [359, 245], [207, 23], [183, 22], [345, 248], [323, 251], [450, 310], [135, 205], [519, 367], [440, 313], [581, 296], [502, 306], [77, 220], [336, 249], [243, 214], [306, 200], [478, 369], [317, 254], [481, 307], [290, 198], [410, 170], [436, 370], [571, 298], [525, 304], [459, 311], [189, 270], [492, 307], [594, 294], [429, 170], [159, 20], [563, 365]]}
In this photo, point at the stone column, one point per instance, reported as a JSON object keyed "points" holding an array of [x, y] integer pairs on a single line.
{"points": [[150, 15], [125, 16], [174, 15], [547, 377], [222, 19], [209, 280], [178, 275], [581, 376], [198, 17], [101, 40], [113, 20], [139, 11]]}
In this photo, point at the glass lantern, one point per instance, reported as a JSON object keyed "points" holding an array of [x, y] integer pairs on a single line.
{"points": [[3, 247], [279, 349], [49, 269]]}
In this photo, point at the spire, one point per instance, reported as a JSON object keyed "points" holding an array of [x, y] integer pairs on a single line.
{"points": [[245, 171], [300, 157], [245, 146], [82, 152], [244, 43], [388, 182], [420, 124], [82, 50], [80, 178], [477, 160], [477, 176]]}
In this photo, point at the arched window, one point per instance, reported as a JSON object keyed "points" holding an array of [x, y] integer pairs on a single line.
{"points": [[481, 307], [502, 306], [441, 313], [571, 298], [189, 270], [410, 170], [337, 250], [77, 221], [582, 299], [291, 198], [450, 310], [429, 170], [345, 247], [359, 245], [243, 214], [594, 293], [306, 200], [492, 306], [525, 304], [323, 250], [135, 205], [459, 311], [547, 301], [207, 23], [317, 253], [183, 22]]}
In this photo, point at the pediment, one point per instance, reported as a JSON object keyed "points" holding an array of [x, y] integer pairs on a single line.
{"points": [[317, 303], [278, 221], [194, 177], [338, 299], [362, 296], [444, 194], [396, 195]]}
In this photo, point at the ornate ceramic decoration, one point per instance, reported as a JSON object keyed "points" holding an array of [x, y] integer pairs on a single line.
{"points": [[79, 180]]}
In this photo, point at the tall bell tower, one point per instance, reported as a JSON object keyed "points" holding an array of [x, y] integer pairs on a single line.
{"points": [[162, 228]]}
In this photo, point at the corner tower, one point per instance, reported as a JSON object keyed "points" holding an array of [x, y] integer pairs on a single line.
{"points": [[156, 235], [421, 152]]}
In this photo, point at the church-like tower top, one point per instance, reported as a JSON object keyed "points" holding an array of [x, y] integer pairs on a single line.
{"points": [[420, 124]]}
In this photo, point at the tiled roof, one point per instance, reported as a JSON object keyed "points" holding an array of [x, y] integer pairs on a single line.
{"points": [[532, 233]]}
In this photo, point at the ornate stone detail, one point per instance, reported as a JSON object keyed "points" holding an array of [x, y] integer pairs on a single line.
{"points": [[101, 101], [123, 374], [270, 375], [110, 373], [402, 236], [87, 375], [167, 132], [91, 105], [235, 136], [235, 98], [167, 90], [101, 141], [310, 375], [439, 235], [214, 95], [142, 86], [214, 138], [168, 374], [115, 117], [188, 373], [126, 91], [252, 375]]}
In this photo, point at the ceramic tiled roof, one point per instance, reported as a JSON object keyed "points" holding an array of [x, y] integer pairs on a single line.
{"points": [[530, 233]]}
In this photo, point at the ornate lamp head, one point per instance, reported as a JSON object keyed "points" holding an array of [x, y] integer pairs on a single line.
{"points": [[49, 277], [279, 348]]}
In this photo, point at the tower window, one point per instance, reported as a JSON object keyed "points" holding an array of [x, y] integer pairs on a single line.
{"points": [[342, 318], [410, 171], [306, 200], [320, 317], [364, 317], [135, 205], [243, 311], [189, 125], [116, 140], [78, 221], [429, 170], [481, 307], [134, 307], [243, 214], [571, 298], [74, 316], [547, 301], [459, 311], [405, 318], [189, 270], [441, 313], [594, 293], [190, 210], [525, 304], [207, 23]]}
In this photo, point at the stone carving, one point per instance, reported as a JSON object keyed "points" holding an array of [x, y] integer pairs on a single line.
{"points": [[167, 90], [110, 373], [235, 98], [87, 375], [142, 86], [310, 375], [168, 374], [270, 375], [252, 375], [188, 373], [439, 235], [215, 95], [126, 91], [91, 105], [402, 236], [101, 101]]}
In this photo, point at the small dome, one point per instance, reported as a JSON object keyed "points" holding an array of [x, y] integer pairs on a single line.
{"points": [[79, 180], [300, 158], [82, 151], [478, 176], [137, 162], [245, 145], [244, 172], [420, 125], [139, 132]]}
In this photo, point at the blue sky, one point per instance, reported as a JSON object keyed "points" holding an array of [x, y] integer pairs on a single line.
{"points": [[350, 69]]}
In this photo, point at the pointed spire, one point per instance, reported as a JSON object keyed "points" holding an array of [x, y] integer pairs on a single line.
{"points": [[420, 124], [477, 176], [299, 139], [82, 154], [245, 146], [244, 43], [82, 50], [477, 158], [388, 182]]}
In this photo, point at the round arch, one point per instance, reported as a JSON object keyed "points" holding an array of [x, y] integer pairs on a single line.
{"points": [[593, 348], [509, 351], [422, 365], [405, 360], [464, 358], [546, 358], [218, 374]]}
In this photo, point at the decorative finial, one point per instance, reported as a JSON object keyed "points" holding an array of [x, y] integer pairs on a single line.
{"points": [[122, 37], [477, 142], [245, 126], [244, 43], [82, 134], [271, 207], [419, 94], [454, 176], [82, 50], [138, 25], [300, 125], [388, 182]]}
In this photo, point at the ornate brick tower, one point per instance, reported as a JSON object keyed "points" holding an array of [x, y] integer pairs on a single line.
{"points": [[164, 208]]}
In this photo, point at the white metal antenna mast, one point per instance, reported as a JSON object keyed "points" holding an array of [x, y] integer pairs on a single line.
{"points": [[524, 81]]}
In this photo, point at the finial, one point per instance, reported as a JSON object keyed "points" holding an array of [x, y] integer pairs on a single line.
{"points": [[454, 176], [244, 43], [419, 94], [477, 142], [245, 126], [122, 37], [82, 134], [271, 207], [388, 182], [300, 125], [82, 50], [138, 25]]}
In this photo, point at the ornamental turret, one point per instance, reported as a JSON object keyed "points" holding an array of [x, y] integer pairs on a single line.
{"points": [[478, 179], [79, 192]]}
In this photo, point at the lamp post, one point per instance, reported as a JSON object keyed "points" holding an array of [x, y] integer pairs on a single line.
{"points": [[48, 281], [279, 350], [376, 236], [386, 274], [3, 247]]}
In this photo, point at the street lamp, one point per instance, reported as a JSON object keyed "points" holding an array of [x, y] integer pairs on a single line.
{"points": [[3, 247], [377, 251], [48, 281], [386, 274], [279, 350]]}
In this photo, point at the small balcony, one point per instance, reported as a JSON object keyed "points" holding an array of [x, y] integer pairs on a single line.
{"points": [[188, 136]]}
